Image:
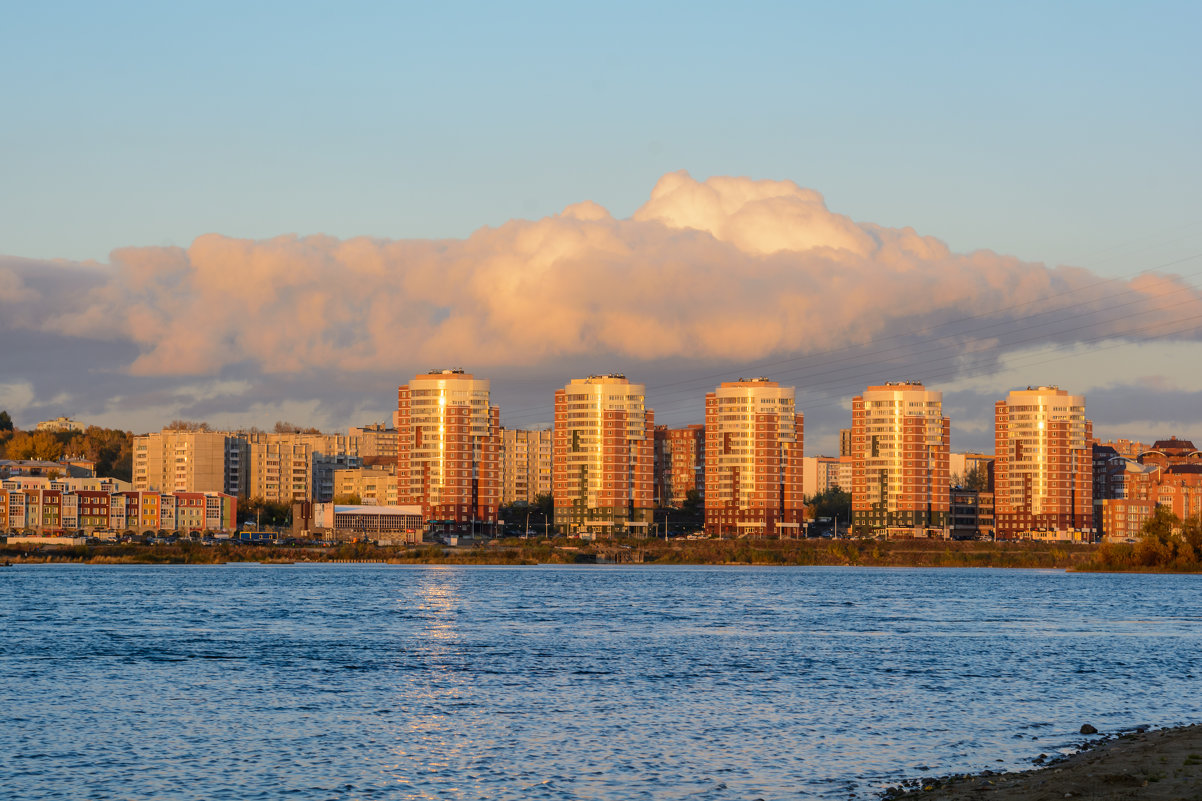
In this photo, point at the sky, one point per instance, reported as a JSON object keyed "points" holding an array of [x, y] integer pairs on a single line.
{"points": [[244, 213]]}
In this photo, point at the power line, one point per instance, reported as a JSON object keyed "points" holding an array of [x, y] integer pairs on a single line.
{"points": [[862, 362]]}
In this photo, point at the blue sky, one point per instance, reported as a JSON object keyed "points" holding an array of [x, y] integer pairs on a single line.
{"points": [[1043, 130], [1061, 133]]}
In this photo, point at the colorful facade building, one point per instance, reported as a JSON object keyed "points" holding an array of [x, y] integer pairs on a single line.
{"points": [[526, 465], [1043, 468], [900, 447], [679, 464], [45, 510], [449, 450], [754, 444], [603, 458]]}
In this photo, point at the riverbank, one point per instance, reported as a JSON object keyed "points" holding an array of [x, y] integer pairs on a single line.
{"points": [[1161, 765], [863, 553]]}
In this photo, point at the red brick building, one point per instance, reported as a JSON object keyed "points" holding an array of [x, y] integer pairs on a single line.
{"points": [[900, 473], [1168, 474], [449, 451], [679, 464], [603, 457], [754, 443], [1043, 468]]}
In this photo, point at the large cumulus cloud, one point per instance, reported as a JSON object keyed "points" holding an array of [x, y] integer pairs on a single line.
{"points": [[729, 269]]}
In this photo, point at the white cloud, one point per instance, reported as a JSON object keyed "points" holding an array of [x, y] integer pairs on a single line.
{"points": [[17, 396]]}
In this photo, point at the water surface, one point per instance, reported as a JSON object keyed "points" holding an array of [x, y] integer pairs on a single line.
{"points": [[379, 682]]}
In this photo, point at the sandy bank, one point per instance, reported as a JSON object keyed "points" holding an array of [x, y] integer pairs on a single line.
{"points": [[1161, 765]]}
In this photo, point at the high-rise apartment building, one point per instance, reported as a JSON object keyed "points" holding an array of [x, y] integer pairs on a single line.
{"points": [[188, 461], [278, 466], [900, 476], [290, 466], [754, 442], [449, 450], [603, 458], [1043, 468], [679, 464], [526, 465], [376, 443]]}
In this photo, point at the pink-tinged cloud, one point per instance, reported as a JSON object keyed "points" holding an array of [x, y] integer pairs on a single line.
{"points": [[727, 268]]}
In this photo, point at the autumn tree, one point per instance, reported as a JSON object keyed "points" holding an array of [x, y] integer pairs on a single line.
{"points": [[187, 425], [39, 445]]}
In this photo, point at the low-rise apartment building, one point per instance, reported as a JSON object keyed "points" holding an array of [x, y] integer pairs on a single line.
{"points": [[1169, 474], [47, 510], [373, 486]]}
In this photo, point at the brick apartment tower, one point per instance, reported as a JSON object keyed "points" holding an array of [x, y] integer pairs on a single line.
{"points": [[1043, 468], [754, 440], [900, 448], [449, 451], [679, 464], [603, 460]]}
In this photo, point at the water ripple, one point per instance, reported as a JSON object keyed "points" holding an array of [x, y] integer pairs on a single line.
{"points": [[375, 681]]}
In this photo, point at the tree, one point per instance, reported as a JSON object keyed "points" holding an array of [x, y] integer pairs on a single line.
{"points": [[694, 505], [1158, 542], [6, 422], [349, 499], [284, 427], [187, 425], [41, 445], [265, 513], [1191, 532], [833, 503], [546, 505], [977, 479], [1161, 525]]}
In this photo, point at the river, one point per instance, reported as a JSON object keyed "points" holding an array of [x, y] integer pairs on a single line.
{"points": [[584, 682]]}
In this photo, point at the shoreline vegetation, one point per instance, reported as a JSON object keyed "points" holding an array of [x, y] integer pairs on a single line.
{"points": [[813, 552], [1140, 765]]}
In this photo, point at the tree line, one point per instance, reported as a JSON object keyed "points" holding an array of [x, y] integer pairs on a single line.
{"points": [[1166, 543], [111, 449]]}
